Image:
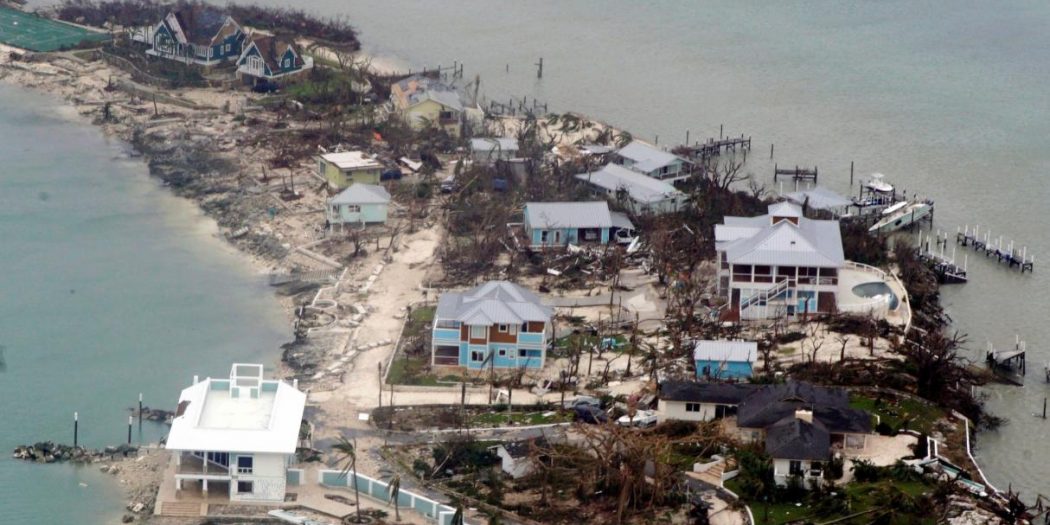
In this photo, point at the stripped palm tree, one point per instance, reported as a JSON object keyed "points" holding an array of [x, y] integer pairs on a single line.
{"points": [[347, 455], [395, 492], [457, 518]]}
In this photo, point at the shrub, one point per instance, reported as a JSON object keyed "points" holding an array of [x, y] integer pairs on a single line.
{"points": [[865, 471]]}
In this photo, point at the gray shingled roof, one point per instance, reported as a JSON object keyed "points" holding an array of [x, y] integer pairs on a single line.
{"points": [[714, 393], [495, 302], [359, 193], [793, 438], [756, 240], [647, 158], [640, 187], [830, 405], [568, 214], [735, 351]]}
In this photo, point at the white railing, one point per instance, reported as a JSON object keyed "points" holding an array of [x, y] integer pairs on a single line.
{"points": [[905, 302]]}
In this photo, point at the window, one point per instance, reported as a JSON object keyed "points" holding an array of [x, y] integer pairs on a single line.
{"points": [[503, 329], [353, 208], [513, 329], [477, 356], [523, 353], [227, 47], [245, 487], [244, 465], [478, 332], [335, 209], [692, 407], [287, 62], [795, 468], [543, 236], [503, 352]]}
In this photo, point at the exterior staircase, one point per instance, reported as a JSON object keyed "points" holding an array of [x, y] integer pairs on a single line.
{"points": [[712, 475], [780, 291], [183, 509]]}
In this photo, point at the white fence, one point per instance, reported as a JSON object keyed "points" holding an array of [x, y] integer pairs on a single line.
{"points": [[380, 491]]}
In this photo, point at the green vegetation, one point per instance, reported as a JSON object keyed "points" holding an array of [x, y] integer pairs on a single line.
{"points": [[900, 413], [871, 498], [412, 364]]}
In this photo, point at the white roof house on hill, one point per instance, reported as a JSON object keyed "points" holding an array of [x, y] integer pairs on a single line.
{"points": [[643, 194], [779, 264], [236, 436], [360, 204], [652, 161]]}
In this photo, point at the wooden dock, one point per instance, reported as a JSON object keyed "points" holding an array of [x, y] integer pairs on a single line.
{"points": [[994, 248], [932, 251], [796, 173], [1014, 359], [715, 147]]}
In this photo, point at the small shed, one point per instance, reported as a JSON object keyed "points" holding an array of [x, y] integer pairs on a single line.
{"points": [[516, 456], [725, 359], [359, 204]]}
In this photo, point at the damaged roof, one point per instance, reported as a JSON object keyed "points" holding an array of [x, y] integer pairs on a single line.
{"points": [[272, 50], [200, 23], [640, 188], [495, 302], [418, 88], [647, 158], [593, 214]]}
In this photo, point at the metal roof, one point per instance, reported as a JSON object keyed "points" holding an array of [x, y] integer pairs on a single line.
{"points": [[641, 188], [726, 351], [647, 158], [757, 240], [347, 160], [818, 198], [495, 302], [620, 220], [359, 193], [568, 214]]}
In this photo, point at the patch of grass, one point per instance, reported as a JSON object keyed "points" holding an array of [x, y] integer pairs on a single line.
{"points": [[411, 371], [786, 350], [900, 413], [861, 497]]}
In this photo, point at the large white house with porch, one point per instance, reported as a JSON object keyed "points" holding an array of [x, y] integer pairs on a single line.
{"points": [[237, 436], [781, 264]]}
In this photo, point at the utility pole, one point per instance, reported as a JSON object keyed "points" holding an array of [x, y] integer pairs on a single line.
{"points": [[539, 70]]}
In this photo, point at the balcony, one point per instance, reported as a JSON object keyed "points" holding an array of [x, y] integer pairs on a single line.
{"points": [[530, 337], [447, 334]]}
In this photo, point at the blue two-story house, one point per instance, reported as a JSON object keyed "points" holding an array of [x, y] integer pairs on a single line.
{"points": [[497, 324], [731, 360], [556, 224], [197, 34], [268, 59]]}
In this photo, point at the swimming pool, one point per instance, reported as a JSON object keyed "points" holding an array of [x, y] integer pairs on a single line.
{"points": [[876, 288]]}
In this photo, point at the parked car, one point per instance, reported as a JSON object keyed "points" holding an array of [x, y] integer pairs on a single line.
{"points": [[589, 414], [642, 418], [624, 236], [448, 185], [583, 401]]}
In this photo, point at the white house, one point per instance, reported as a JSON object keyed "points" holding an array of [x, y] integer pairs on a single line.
{"points": [[652, 161], [489, 150], [693, 401], [778, 264], [237, 436], [358, 205], [641, 193], [515, 456]]}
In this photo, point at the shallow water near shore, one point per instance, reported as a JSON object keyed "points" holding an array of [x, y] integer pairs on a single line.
{"points": [[109, 286], [947, 98]]}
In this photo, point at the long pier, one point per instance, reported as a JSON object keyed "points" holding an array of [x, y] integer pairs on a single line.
{"points": [[947, 270], [715, 147], [994, 248]]}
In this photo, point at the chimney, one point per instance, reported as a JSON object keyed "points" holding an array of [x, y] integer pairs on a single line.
{"points": [[804, 415]]}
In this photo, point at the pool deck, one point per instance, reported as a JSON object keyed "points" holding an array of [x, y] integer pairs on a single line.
{"points": [[855, 274]]}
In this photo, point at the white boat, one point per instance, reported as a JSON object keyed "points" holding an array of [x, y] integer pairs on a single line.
{"points": [[877, 184], [906, 214], [896, 207]]}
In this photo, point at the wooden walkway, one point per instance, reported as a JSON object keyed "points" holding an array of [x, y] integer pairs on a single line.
{"points": [[994, 248]]}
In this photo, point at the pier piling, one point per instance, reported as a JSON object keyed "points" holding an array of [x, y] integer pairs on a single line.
{"points": [[129, 429], [76, 429], [140, 409]]}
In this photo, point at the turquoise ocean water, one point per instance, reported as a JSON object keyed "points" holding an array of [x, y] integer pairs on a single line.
{"points": [[109, 286]]}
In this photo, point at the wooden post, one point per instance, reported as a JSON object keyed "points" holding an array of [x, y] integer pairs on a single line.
{"points": [[539, 70], [463, 394], [720, 127], [1044, 408], [140, 409], [770, 152], [155, 112], [380, 384], [851, 174], [76, 429], [657, 141], [687, 137], [129, 429]]}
